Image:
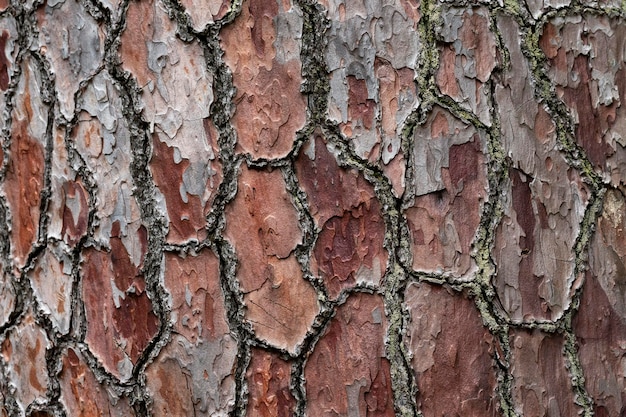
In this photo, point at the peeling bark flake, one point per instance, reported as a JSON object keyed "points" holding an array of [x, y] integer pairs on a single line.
{"points": [[451, 353], [24, 351], [73, 43], [535, 240], [600, 324], [120, 320], [541, 382], [262, 49], [81, 393], [347, 373], [204, 12], [25, 172], [281, 305], [268, 379], [52, 283], [449, 188], [349, 249], [193, 374], [467, 59], [587, 65], [371, 55]]}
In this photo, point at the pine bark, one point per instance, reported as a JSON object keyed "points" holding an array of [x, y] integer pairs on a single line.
{"points": [[301, 208]]}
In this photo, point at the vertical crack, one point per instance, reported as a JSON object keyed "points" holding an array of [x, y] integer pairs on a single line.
{"points": [[576, 157], [144, 192]]}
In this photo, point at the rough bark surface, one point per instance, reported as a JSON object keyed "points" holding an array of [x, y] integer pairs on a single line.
{"points": [[312, 208]]}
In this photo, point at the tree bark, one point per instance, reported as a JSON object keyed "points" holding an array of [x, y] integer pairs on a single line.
{"points": [[277, 208]]}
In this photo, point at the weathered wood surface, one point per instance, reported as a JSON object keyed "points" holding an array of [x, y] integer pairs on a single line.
{"points": [[333, 208]]}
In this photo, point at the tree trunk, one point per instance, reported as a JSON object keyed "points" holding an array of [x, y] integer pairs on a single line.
{"points": [[276, 208]]}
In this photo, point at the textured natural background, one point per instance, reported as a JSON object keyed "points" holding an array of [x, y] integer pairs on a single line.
{"points": [[283, 207]]}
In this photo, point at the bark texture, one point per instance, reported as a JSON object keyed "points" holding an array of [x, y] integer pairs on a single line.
{"points": [[301, 208]]}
